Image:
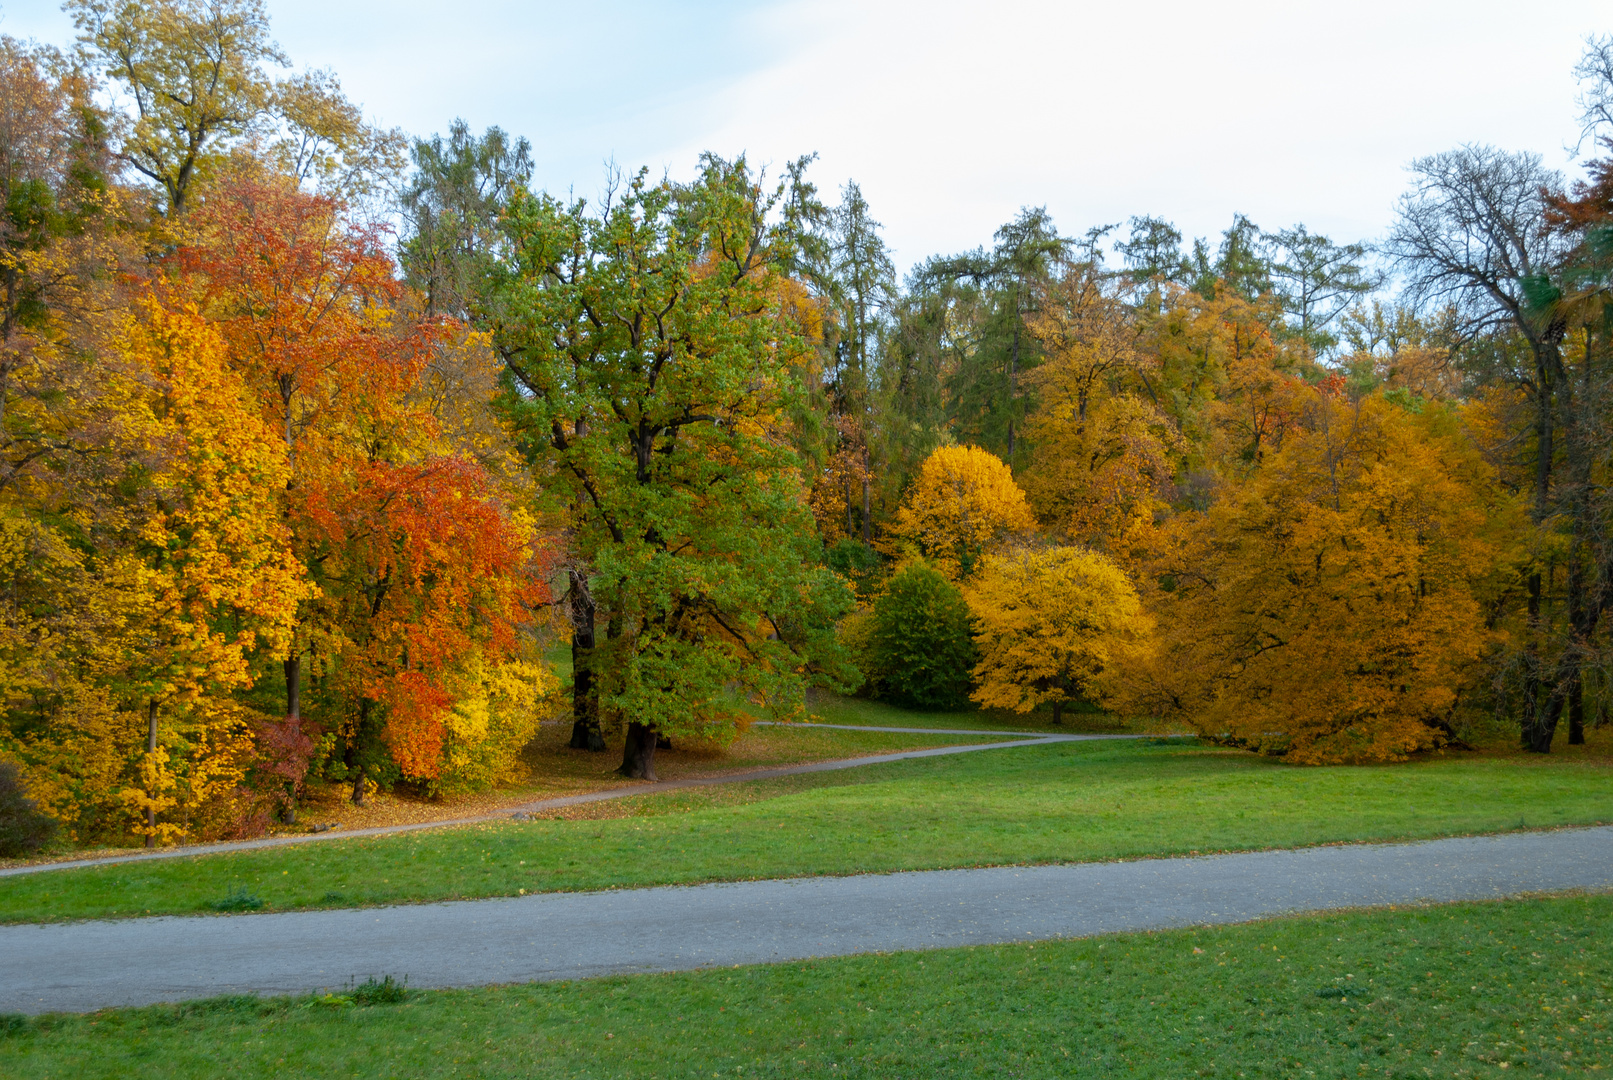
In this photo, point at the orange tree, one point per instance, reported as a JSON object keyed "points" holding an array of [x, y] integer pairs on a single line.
{"points": [[652, 350], [1328, 608]]}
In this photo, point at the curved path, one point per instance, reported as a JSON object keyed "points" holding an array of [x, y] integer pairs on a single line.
{"points": [[91, 965], [1009, 738]]}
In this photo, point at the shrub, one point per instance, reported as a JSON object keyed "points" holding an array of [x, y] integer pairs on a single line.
{"points": [[23, 828], [921, 640]]}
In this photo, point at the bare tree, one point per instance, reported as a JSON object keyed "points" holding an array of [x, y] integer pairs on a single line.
{"points": [[1473, 233]]}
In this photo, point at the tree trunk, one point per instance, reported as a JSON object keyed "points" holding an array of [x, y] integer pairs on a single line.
{"points": [[293, 666], [585, 733], [1576, 713], [151, 748], [867, 531], [638, 756], [1058, 710], [355, 751]]}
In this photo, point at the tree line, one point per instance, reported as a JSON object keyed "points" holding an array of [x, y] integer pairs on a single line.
{"points": [[318, 439]]}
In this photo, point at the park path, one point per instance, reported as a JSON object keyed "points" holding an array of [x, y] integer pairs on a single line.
{"points": [[1008, 739], [92, 965]]}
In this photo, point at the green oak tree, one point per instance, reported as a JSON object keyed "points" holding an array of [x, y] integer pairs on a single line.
{"points": [[653, 348]]}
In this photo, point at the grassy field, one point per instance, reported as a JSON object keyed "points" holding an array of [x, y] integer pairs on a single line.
{"points": [[1472, 990], [1047, 803]]}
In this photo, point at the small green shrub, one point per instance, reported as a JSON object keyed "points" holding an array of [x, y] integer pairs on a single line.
{"points": [[921, 641], [386, 992], [23, 828], [237, 900]]}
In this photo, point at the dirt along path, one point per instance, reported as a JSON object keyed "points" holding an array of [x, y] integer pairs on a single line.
{"points": [[1008, 739], [102, 964]]}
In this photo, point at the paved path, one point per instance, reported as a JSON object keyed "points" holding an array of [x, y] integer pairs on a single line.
{"points": [[1009, 739], [83, 966]]}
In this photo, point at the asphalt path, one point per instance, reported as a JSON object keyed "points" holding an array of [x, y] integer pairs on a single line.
{"points": [[91, 965], [1008, 739]]}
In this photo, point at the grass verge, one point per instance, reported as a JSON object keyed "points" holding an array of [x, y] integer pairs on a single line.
{"points": [[1049, 803], [1467, 990]]}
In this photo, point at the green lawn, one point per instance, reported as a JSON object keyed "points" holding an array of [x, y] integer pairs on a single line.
{"points": [[1468, 990], [1047, 803]]}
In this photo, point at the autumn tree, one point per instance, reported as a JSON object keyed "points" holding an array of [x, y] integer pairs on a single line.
{"points": [[1328, 608], [652, 352], [1048, 624], [1104, 451], [195, 74], [963, 503]]}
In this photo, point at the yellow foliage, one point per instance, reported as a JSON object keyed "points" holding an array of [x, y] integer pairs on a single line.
{"points": [[1326, 610], [963, 503], [1049, 624], [495, 713]]}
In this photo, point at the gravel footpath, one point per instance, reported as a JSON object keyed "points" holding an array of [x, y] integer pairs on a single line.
{"points": [[91, 965]]}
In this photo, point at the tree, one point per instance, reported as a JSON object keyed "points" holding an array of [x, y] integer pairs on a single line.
{"points": [[451, 208], [1328, 609], [991, 294], [1472, 234], [194, 71], [1048, 625], [1317, 281], [963, 502], [860, 282], [920, 636], [653, 353], [1104, 450]]}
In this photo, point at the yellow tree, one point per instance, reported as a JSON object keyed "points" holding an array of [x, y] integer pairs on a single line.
{"points": [[215, 569], [963, 502], [1048, 624], [1327, 609]]}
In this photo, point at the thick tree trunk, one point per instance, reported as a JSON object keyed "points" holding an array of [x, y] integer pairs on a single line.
{"points": [[151, 748], [355, 751], [585, 732], [293, 667], [638, 756], [1058, 710]]}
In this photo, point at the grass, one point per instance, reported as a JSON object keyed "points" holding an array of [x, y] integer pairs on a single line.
{"points": [[1470, 990], [1046, 803], [1079, 717]]}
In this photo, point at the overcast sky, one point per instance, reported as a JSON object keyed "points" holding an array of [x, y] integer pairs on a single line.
{"points": [[954, 115]]}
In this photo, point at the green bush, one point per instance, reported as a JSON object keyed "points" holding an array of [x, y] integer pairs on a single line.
{"points": [[921, 642], [23, 829]]}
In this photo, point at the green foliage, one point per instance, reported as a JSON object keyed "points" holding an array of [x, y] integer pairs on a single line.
{"points": [[921, 639], [386, 992], [653, 351], [857, 563], [238, 899], [23, 829]]}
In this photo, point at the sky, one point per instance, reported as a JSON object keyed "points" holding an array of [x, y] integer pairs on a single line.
{"points": [[952, 116]]}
